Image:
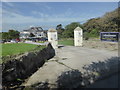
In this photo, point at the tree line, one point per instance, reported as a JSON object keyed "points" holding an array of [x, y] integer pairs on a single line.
{"points": [[11, 34], [107, 23]]}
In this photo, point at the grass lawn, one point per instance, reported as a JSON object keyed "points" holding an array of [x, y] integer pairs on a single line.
{"points": [[17, 48], [66, 42]]}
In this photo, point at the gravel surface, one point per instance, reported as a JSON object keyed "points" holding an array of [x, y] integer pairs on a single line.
{"points": [[105, 45]]}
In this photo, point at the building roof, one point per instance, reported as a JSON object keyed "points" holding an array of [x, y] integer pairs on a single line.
{"points": [[77, 29], [34, 29], [52, 30]]}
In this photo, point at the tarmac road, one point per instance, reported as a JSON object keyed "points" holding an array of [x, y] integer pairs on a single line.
{"points": [[67, 58], [109, 82]]}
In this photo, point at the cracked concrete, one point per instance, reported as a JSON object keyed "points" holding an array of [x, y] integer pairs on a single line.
{"points": [[67, 58]]}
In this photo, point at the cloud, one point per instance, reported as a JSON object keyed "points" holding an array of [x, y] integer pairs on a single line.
{"points": [[9, 4], [40, 14], [20, 22], [19, 19], [10, 7], [59, 1], [49, 8], [15, 18], [64, 14]]}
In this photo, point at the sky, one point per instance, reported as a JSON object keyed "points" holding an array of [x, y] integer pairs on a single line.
{"points": [[23, 15]]}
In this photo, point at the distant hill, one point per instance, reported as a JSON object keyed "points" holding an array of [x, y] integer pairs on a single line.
{"points": [[106, 23]]}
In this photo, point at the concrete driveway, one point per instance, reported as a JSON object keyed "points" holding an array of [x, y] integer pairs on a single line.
{"points": [[67, 58]]}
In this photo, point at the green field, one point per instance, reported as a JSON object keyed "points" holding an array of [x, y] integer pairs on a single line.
{"points": [[17, 48], [66, 42]]}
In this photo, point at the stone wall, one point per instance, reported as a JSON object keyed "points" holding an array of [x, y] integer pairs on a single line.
{"points": [[20, 68]]}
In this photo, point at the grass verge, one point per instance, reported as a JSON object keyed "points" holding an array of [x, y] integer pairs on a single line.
{"points": [[66, 42], [12, 49]]}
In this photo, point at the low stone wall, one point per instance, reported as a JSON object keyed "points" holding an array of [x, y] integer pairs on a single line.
{"points": [[23, 66]]}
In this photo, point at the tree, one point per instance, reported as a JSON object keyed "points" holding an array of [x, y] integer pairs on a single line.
{"points": [[59, 26], [94, 33], [60, 30], [5, 35], [106, 23], [69, 29], [13, 34], [0, 35]]}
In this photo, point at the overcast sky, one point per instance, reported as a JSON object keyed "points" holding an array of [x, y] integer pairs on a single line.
{"points": [[22, 15]]}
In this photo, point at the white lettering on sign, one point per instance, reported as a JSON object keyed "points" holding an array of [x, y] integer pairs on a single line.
{"points": [[109, 35]]}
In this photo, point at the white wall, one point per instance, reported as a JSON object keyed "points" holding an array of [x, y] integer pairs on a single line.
{"points": [[53, 38], [78, 37]]}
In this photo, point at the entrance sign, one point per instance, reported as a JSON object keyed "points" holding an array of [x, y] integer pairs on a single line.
{"points": [[109, 36]]}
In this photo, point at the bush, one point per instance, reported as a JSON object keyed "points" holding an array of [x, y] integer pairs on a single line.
{"points": [[94, 33], [86, 35]]}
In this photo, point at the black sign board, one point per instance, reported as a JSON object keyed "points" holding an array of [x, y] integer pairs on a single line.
{"points": [[110, 36]]}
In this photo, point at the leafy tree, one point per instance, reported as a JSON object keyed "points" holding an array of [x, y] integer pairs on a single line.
{"points": [[91, 24], [59, 26], [60, 30], [5, 35], [94, 33], [69, 29], [0, 35], [86, 35], [11, 34]]}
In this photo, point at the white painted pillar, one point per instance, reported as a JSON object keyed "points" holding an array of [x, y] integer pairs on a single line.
{"points": [[78, 36], [53, 37]]}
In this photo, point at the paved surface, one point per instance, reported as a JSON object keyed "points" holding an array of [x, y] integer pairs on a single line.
{"points": [[67, 58], [29, 42], [110, 82]]}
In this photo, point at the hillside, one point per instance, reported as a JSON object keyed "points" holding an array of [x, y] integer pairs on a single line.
{"points": [[107, 23]]}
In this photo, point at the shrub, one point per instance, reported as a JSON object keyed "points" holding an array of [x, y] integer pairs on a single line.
{"points": [[86, 35]]}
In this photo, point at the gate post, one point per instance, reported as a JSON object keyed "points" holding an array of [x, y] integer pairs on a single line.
{"points": [[53, 37], [78, 36]]}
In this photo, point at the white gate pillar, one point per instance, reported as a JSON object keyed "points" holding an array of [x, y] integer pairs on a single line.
{"points": [[53, 37], [78, 36]]}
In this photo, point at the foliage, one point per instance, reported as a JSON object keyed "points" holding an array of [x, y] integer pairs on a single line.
{"points": [[5, 35], [69, 29], [92, 28], [93, 33], [0, 35], [106, 23], [60, 30], [86, 35], [11, 34]]}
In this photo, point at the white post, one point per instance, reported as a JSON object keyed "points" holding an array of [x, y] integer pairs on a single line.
{"points": [[78, 37], [53, 38]]}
